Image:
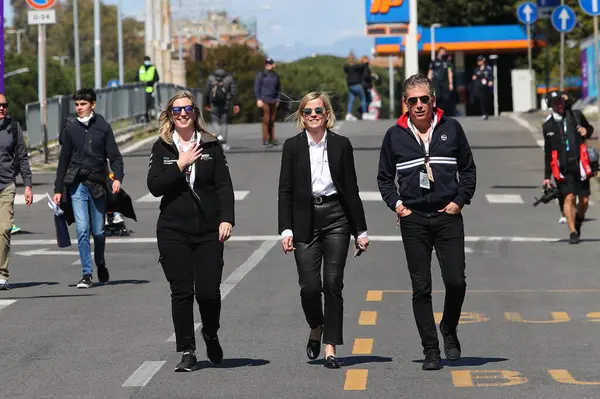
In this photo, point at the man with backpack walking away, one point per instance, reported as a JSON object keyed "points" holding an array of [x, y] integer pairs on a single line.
{"points": [[221, 92]]}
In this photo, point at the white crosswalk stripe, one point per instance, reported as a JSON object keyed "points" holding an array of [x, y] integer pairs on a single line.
{"points": [[20, 198], [239, 196]]}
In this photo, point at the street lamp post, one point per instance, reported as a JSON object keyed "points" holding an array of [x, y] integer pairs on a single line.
{"points": [[432, 30], [17, 32], [16, 72]]}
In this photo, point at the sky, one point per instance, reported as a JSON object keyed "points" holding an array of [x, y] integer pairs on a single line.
{"points": [[281, 23]]}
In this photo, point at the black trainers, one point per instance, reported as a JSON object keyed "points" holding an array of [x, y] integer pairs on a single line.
{"points": [[85, 282], [574, 238], [188, 361], [451, 344], [213, 348], [432, 361], [103, 275]]}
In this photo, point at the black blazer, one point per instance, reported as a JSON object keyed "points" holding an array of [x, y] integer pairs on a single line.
{"points": [[295, 186]]}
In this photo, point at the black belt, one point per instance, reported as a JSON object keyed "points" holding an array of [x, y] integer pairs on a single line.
{"points": [[322, 199]]}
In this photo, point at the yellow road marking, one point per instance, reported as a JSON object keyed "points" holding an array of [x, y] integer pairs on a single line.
{"points": [[472, 378], [593, 316], [374, 296], [501, 291], [564, 377], [367, 318], [465, 318], [356, 380], [363, 346], [557, 317]]}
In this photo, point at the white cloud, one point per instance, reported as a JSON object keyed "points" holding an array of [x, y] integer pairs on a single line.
{"points": [[276, 27]]}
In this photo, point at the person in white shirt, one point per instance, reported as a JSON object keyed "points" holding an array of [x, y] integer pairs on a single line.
{"points": [[319, 209]]}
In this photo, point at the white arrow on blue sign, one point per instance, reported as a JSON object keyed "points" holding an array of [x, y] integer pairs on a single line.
{"points": [[527, 13], [591, 7], [563, 19]]}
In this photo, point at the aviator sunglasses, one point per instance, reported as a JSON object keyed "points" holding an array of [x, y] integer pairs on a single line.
{"points": [[308, 111], [412, 101], [188, 109]]}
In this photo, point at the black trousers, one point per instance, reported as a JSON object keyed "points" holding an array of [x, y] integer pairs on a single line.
{"points": [[420, 234], [329, 248], [193, 267]]}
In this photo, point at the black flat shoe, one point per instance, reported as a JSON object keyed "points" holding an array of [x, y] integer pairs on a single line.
{"points": [[313, 347], [332, 363], [214, 352]]}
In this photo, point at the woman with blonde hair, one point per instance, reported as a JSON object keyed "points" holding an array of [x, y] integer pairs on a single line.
{"points": [[189, 170], [319, 208]]}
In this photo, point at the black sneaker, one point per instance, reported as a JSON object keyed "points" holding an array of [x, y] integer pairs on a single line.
{"points": [[574, 238], [432, 361], [451, 344], [188, 361], [103, 275], [213, 348], [85, 282]]}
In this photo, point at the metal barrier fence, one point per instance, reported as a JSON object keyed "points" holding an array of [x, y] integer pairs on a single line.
{"points": [[113, 103]]}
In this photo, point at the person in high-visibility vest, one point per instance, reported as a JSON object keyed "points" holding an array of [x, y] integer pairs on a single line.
{"points": [[149, 75]]}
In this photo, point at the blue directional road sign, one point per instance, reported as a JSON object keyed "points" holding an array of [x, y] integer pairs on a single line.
{"points": [[113, 83], [591, 7], [548, 3], [527, 13], [563, 19], [545, 8]]}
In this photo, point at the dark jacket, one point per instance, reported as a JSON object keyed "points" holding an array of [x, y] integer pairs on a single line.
{"points": [[402, 157], [212, 199], [556, 157], [86, 148], [229, 84], [13, 154], [355, 73], [295, 187], [267, 86]]}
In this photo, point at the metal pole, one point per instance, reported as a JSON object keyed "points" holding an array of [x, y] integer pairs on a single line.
{"points": [[411, 62], [120, 39], [19, 41], [548, 31], [2, 47], [97, 43], [529, 62], [596, 67], [76, 44], [392, 88], [180, 42], [42, 86], [432, 30], [562, 61], [496, 106]]}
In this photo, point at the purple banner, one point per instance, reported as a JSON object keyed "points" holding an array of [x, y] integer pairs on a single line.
{"points": [[1, 46], [584, 74]]}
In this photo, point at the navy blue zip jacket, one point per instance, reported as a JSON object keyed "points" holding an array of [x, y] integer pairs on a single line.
{"points": [[267, 86], [402, 159]]}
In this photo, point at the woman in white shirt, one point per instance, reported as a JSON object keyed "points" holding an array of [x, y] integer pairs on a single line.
{"points": [[319, 209]]}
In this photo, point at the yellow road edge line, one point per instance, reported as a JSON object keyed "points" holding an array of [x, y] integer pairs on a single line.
{"points": [[374, 296], [363, 346], [367, 318]]}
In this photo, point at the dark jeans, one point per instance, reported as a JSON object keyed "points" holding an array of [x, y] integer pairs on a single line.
{"points": [[193, 266], [481, 99], [420, 234], [149, 105], [219, 115], [329, 246]]}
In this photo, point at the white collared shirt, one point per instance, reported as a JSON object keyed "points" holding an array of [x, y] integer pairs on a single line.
{"points": [[177, 140], [321, 180], [322, 183]]}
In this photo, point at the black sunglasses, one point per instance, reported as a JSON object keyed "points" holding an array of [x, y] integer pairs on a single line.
{"points": [[3, 105], [412, 101], [188, 109], [309, 111]]}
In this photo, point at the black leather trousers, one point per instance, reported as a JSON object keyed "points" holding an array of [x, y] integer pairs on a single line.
{"points": [[328, 247]]}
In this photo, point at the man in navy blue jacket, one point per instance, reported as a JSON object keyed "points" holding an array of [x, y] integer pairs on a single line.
{"points": [[421, 156], [267, 89]]}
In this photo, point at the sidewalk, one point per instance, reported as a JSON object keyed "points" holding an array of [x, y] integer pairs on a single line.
{"points": [[125, 135]]}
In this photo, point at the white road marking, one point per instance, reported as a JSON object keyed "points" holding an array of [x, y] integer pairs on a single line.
{"points": [[143, 374], [536, 133], [245, 268], [139, 144], [20, 198], [172, 337], [276, 239], [504, 199], [370, 196], [238, 194], [6, 302]]}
